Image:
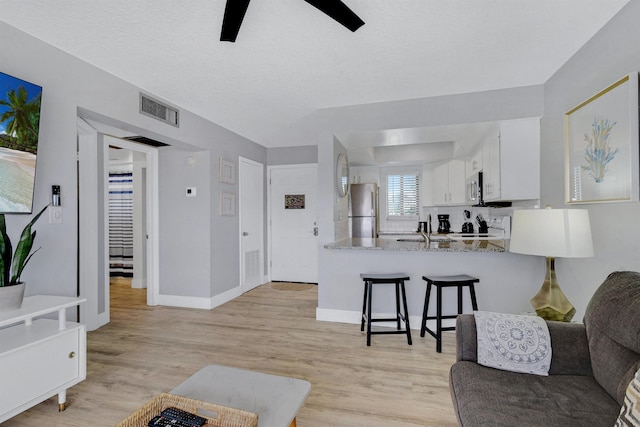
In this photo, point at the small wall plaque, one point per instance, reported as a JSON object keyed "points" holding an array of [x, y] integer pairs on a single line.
{"points": [[294, 201], [227, 171], [227, 204]]}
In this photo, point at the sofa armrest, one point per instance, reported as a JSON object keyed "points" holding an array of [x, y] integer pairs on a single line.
{"points": [[466, 338], [569, 346]]}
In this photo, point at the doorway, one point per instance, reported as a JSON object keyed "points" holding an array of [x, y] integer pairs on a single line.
{"points": [[293, 215], [93, 240], [127, 215]]}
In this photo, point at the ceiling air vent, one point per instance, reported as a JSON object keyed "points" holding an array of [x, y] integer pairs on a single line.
{"points": [[158, 110], [146, 141]]}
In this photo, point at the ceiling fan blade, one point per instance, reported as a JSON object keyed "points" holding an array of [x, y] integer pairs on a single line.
{"points": [[233, 15], [338, 11]]}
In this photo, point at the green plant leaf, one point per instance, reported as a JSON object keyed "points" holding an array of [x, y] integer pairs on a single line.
{"points": [[23, 249], [25, 263], [5, 253], [21, 255]]}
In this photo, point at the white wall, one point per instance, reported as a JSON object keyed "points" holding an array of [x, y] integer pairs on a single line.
{"points": [[292, 155], [608, 56], [199, 249], [185, 223]]}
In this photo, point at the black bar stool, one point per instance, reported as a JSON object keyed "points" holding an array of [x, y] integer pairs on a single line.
{"points": [[397, 279], [440, 282]]}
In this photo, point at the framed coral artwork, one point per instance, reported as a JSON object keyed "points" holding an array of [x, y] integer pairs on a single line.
{"points": [[601, 146]]}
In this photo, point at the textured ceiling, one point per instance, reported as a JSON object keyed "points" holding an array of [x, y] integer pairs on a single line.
{"points": [[290, 59]]}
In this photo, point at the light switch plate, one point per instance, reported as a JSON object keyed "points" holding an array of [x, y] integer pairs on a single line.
{"points": [[55, 214], [190, 192]]}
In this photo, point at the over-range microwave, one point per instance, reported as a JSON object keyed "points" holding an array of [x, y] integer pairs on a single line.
{"points": [[474, 189]]}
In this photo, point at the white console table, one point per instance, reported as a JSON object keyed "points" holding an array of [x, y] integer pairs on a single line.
{"points": [[39, 357]]}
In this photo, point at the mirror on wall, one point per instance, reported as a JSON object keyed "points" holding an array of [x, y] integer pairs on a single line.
{"points": [[342, 175]]}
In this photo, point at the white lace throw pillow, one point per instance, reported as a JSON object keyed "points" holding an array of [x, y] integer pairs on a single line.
{"points": [[513, 342]]}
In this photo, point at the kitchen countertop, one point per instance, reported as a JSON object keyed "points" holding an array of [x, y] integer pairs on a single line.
{"points": [[382, 244]]}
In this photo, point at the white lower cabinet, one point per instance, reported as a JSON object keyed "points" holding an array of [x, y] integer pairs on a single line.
{"points": [[39, 358]]}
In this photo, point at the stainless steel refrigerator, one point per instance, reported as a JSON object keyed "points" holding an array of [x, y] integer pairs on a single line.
{"points": [[363, 210]]}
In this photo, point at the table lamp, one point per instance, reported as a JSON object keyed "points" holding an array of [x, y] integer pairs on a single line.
{"points": [[552, 233]]}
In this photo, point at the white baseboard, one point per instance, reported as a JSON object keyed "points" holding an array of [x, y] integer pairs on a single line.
{"points": [[199, 302], [339, 316], [138, 283], [354, 317]]}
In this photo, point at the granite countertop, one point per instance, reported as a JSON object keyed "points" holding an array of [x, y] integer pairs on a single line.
{"points": [[440, 245]]}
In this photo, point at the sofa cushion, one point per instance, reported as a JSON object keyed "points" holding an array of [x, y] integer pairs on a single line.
{"points": [[611, 320], [489, 397]]}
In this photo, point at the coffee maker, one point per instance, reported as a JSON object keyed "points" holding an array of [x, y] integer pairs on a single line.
{"points": [[444, 226]]}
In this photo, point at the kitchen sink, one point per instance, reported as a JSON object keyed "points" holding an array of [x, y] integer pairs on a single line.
{"points": [[477, 236], [433, 239]]}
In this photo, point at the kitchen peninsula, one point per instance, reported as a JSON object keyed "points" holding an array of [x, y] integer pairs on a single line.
{"points": [[437, 244], [341, 296], [507, 280]]}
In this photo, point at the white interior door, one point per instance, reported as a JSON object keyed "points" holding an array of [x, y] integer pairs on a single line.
{"points": [[294, 219], [251, 208]]}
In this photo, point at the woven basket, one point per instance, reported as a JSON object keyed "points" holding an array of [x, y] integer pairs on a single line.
{"points": [[216, 415]]}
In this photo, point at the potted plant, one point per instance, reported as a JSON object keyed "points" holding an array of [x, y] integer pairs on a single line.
{"points": [[12, 263]]}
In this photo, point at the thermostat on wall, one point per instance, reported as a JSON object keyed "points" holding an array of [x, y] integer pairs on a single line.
{"points": [[191, 192]]}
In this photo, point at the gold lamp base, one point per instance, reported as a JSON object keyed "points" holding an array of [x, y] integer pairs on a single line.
{"points": [[550, 302]]}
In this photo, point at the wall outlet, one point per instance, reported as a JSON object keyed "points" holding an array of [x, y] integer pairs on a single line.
{"points": [[190, 192]]}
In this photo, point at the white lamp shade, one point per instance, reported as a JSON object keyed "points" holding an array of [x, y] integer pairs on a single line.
{"points": [[552, 233]]}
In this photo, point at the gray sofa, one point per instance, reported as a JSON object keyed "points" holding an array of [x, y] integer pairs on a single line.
{"points": [[591, 366]]}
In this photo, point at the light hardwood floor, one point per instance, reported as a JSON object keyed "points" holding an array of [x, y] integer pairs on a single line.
{"points": [[148, 350]]}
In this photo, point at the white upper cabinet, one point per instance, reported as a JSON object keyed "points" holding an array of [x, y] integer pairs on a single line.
{"points": [[448, 183], [473, 164], [511, 162], [491, 169]]}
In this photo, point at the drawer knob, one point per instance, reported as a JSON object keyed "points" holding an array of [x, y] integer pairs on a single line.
{"points": [[72, 355]]}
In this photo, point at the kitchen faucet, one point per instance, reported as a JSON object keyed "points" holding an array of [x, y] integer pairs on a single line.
{"points": [[426, 234]]}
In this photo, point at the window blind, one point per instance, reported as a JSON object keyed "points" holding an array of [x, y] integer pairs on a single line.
{"points": [[403, 195], [121, 224]]}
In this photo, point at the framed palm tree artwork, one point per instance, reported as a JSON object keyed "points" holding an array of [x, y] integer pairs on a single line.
{"points": [[19, 131], [601, 145]]}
